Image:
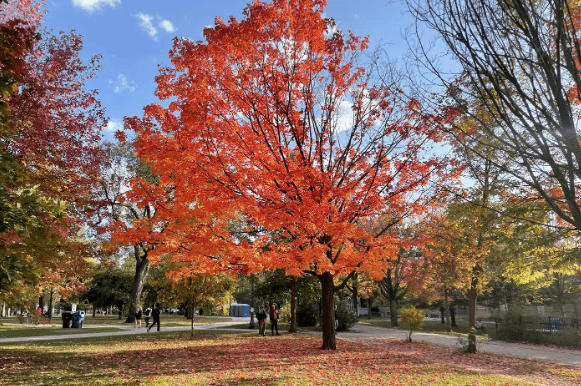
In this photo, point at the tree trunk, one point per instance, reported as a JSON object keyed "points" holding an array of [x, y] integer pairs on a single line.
{"points": [[141, 266], [356, 301], [328, 292], [193, 308], [293, 315], [50, 301], [472, 293], [447, 309], [393, 312]]}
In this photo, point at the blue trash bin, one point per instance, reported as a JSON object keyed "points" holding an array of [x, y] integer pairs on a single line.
{"points": [[78, 318]]}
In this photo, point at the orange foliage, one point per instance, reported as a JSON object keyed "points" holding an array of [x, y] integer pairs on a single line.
{"points": [[252, 134]]}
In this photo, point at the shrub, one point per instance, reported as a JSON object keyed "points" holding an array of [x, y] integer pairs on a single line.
{"points": [[307, 315], [346, 317], [512, 328], [413, 318], [284, 313]]}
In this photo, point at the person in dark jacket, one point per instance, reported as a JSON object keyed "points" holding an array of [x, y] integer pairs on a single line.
{"points": [[261, 317], [155, 315], [274, 319]]}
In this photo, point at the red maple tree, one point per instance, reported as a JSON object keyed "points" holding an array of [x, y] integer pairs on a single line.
{"points": [[274, 145], [53, 139]]}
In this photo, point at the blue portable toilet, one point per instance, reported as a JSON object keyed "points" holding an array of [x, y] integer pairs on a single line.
{"points": [[243, 310], [239, 310]]}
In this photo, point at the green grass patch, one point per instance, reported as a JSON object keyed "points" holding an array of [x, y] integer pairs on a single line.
{"points": [[10, 328], [242, 358], [21, 332], [431, 326], [113, 320]]}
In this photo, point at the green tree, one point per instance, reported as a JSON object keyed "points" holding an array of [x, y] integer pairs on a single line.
{"points": [[110, 287]]}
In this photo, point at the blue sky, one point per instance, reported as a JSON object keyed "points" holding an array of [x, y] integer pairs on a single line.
{"points": [[134, 37]]}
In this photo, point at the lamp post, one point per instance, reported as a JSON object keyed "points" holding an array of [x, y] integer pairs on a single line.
{"points": [[251, 302]]}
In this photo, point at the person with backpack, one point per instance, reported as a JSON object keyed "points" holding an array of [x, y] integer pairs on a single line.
{"points": [[261, 317], [147, 315]]}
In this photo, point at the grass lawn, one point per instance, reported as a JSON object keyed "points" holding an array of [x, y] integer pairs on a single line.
{"points": [[100, 323], [242, 358], [434, 326]]}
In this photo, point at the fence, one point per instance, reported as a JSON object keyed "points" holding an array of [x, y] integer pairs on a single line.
{"points": [[546, 324]]}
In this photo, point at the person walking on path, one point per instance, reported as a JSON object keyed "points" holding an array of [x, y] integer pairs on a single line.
{"points": [[261, 317], [155, 315], [274, 319], [147, 315], [138, 314]]}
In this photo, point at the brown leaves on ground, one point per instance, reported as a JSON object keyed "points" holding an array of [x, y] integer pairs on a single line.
{"points": [[285, 360]]}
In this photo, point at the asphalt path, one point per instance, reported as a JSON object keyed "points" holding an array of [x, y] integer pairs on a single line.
{"points": [[538, 352], [568, 356]]}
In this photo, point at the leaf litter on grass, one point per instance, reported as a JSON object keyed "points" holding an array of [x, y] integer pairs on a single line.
{"points": [[243, 359]]}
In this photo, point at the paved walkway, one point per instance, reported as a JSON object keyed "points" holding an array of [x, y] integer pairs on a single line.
{"points": [[542, 353]]}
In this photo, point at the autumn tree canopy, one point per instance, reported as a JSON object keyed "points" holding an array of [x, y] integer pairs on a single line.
{"points": [[272, 125], [50, 151]]}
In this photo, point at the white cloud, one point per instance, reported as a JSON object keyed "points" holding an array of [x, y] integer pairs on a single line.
{"points": [[113, 125], [167, 26], [94, 5], [148, 25], [330, 31], [122, 84], [344, 117]]}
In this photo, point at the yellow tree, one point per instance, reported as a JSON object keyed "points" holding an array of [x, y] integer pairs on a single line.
{"points": [[182, 283]]}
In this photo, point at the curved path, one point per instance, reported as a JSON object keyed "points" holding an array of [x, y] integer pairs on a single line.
{"points": [[538, 352]]}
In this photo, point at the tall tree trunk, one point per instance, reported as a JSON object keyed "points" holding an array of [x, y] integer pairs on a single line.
{"points": [[141, 266], [472, 293], [393, 312], [293, 316], [447, 309], [50, 304], [356, 301], [193, 308], [328, 292]]}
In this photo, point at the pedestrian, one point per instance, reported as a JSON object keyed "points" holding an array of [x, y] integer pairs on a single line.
{"points": [[147, 314], [155, 315], [274, 319], [261, 316], [138, 314]]}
